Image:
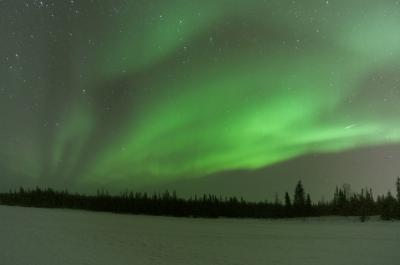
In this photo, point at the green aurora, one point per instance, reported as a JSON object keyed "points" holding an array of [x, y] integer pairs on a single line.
{"points": [[144, 92]]}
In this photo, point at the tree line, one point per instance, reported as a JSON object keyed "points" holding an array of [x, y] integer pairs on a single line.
{"points": [[344, 203]]}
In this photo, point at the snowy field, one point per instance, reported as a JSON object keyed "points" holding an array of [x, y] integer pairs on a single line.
{"points": [[48, 237]]}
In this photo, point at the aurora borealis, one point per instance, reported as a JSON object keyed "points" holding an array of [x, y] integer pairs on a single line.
{"points": [[144, 92]]}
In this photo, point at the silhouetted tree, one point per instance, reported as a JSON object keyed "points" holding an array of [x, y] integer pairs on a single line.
{"points": [[344, 203], [398, 189], [308, 206], [288, 202], [277, 201], [299, 200], [388, 207], [398, 197], [288, 205]]}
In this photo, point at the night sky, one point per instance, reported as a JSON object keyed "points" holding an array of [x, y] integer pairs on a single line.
{"points": [[138, 93]]}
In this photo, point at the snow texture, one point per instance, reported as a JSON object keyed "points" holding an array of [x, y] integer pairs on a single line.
{"points": [[30, 236]]}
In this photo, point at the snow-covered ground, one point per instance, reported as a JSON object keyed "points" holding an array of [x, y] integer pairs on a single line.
{"points": [[56, 237]]}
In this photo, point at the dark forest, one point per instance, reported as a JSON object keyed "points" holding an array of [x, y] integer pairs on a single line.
{"points": [[344, 203]]}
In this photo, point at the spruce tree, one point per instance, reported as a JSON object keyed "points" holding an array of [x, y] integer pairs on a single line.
{"points": [[288, 202], [277, 202], [308, 205], [398, 197], [299, 199], [288, 206], [388, 207]]}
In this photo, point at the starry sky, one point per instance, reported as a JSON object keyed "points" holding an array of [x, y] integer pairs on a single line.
{"points": [[129, 93]]}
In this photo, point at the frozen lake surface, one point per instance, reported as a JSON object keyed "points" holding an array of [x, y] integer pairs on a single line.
{"points": [[51, 236]]}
